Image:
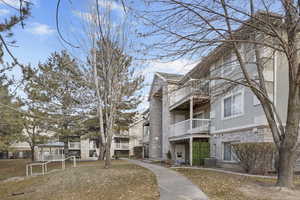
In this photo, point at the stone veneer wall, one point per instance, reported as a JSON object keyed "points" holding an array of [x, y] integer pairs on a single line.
{"points": [[262, 134], [155, 128]]}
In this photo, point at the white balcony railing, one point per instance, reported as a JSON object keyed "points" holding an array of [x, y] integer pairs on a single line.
{"points": [[189, 126], [74, 145], [46, 156], [122, 146], [201, 87]]}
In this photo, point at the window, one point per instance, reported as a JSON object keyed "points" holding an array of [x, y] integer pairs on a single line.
{"points": [[233, 105], [227, 151]]}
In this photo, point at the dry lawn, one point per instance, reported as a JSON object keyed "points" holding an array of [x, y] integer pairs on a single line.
{"points": [[17, 167], [12, 167], [222, 186], [89, 181]]}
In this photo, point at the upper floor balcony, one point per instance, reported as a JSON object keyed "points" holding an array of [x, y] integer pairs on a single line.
{"points": [[74, 145], [123, 134], [121, 146], [198, 89], [189, 126]]}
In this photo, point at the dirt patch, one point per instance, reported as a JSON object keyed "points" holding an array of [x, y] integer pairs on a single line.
{"points": [[269, 192], [224, 186]]}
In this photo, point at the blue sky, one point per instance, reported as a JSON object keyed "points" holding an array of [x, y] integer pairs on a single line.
{"points": [[39, 38]]}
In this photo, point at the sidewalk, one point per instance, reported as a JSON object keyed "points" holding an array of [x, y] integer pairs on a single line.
{"points": [[172, 185], [227, 172]]}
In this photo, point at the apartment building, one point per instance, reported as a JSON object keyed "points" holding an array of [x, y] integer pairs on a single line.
{"points": [[136, 137], [87, 148], [121, 144], [189, 111]]}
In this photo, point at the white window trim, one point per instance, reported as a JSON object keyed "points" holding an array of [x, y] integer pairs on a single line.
{"points": [[256, 101], [222, 151], [242, 105]]}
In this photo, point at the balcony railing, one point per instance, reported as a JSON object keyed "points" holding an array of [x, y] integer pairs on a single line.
{"points": [[74, 145], [189, 126], [201, 87], [123, 135], [45, 156], [122, 146]]}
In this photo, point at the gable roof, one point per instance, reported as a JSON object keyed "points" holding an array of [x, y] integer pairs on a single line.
{"points": [[170, 77]]}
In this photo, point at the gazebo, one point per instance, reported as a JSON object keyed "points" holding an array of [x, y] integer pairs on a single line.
{"points": [[53, 151]]}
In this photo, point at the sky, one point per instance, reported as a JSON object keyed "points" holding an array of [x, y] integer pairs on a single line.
{"points": [[39, 38]]}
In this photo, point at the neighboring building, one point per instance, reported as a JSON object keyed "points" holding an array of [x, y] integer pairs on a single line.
{"points": [[146, 134], [80, 146], [22, 149], [120, 144], [188, 112], [18, 150], [136, 137]]}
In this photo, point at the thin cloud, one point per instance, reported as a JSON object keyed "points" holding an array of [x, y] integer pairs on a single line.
{"points": [[4, 12], [112, 5], [16, 3], [83, 15], [40, 29], [181, 66]]}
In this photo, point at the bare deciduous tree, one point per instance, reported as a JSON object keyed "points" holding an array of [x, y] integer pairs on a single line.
{"points": [[114, 79], [195, 28]]}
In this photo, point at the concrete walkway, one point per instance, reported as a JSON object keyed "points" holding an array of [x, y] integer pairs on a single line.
{"points": [[227, 172], [172, 185]]}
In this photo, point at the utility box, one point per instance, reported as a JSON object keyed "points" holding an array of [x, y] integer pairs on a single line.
{"points": [[210, 162]]}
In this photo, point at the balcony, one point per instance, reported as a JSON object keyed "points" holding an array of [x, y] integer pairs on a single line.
{"points": [[122, 135], [199, 89], [189, 126], [121, 146], [74, 145], [46, 156]]}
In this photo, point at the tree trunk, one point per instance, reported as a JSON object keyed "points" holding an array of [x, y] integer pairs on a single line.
{"points": [[32, 153], [285, 169], [101, 152], [107, 156]]}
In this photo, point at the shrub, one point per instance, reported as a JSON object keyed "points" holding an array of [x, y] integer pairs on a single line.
{"points": [[138, 152], [255, 157], [169, 155]]}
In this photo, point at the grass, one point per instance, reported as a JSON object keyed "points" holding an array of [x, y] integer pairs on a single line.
{"points": [[17, 167], [222, 186], [10, 168], [89, 181]]}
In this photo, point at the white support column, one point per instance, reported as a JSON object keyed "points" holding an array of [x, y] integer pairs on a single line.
{"points": [[191, 151], [74, 161], [191, 112]]}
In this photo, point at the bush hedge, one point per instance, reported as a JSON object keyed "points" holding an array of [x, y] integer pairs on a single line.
{"points": [[256, 158]]}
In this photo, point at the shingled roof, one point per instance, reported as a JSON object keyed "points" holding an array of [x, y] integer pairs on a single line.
{"points": [[170, 77]]}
